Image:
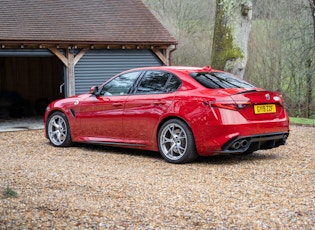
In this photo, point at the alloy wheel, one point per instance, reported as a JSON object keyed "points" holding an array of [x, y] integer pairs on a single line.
{"points": [[57, 130], [173, 141]]}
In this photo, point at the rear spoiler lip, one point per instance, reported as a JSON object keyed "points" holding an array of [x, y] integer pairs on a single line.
{"points": [[247, 91]]}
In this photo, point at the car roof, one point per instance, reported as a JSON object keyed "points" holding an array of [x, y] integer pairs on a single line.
{"points": [[184, 69]]}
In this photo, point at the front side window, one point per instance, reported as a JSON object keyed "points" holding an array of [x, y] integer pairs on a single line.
{"points": [[220, 80], [120, 85], [154, 82]]}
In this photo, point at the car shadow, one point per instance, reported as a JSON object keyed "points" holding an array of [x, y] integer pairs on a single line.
{"points": [[236, 159], [118, 150], [212, 160]]}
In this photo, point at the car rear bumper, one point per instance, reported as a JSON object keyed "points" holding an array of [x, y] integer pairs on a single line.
{"points": [[242, 138], [249, 144]]}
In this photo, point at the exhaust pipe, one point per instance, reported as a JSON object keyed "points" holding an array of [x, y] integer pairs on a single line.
{"points": [[244, 143], [236, 145], [240, 144]]}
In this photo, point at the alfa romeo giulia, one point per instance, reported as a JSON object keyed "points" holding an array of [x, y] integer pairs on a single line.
{"points": [[181, 112]]}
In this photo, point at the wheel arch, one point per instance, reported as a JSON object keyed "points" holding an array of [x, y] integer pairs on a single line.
{"points": [[48, 114], [59, 135], [190, 152], [165, 119]]}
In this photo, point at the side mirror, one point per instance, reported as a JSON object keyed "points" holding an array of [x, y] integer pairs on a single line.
{"points": [[94, 90]]}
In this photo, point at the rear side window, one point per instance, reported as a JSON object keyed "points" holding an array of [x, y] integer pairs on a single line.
{"points": [[220, 80], [154, 82]]}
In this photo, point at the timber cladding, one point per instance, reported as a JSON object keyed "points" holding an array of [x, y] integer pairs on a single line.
{"points": [[33, 78]]}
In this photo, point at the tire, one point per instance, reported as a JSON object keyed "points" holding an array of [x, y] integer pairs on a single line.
{"points": [[58, 130], [176, 142]]}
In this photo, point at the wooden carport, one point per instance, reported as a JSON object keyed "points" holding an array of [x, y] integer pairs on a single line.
{"points": [[70, 29]]}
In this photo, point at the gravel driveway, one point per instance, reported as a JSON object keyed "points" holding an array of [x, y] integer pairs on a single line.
{"points": [[97, 187]]}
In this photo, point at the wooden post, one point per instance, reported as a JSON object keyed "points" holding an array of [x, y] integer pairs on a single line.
{"points": [[69, 61], [70, 73]]}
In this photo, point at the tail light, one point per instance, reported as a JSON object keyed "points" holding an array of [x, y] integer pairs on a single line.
{"points": [[279, 98], [232, 105]]}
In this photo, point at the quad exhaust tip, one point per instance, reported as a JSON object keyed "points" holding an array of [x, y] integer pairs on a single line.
{"points": [[240, 144], [254, 143]]}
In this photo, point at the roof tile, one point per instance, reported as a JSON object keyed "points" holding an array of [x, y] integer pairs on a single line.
{"points": [[117, 21]]}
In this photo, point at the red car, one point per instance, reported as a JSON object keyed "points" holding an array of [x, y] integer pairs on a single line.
{"points": [[182, 112]]}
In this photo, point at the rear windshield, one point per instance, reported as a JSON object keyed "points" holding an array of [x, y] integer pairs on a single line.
{"points": [[220, 80]]}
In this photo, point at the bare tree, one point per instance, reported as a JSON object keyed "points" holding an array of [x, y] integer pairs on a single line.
{"points": [[309, 64], [191, 23], [231, 34], [312, 6], [281, 52]]}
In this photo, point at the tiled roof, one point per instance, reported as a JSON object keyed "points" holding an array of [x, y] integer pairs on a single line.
{"points": [[87, 21]]}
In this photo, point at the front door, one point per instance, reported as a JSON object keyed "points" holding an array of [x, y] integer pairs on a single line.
{"points": [[101, 118], [101, 115]]}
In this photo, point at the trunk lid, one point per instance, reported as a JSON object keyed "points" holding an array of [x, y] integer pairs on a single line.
{"points": [[261, 104]]}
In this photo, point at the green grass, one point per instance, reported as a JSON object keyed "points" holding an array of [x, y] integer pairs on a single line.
{"points": [[9, 193], [302, 121]]}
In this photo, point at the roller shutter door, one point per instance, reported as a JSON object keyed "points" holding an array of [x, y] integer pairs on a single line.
{"points": [[96, 66], [25, 53]]}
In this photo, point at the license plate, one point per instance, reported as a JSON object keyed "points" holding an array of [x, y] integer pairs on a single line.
{"points": [[267, 108]]}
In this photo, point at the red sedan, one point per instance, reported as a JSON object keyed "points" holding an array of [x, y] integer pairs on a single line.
{"points": [[182, 112]]}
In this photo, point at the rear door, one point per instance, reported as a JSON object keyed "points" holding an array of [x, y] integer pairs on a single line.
{"points": [[144, 108]]}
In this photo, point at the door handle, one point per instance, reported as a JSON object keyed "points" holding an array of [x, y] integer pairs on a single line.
{"points": [[159, 103], [117, 104]]}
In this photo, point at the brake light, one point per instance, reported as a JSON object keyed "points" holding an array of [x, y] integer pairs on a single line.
{"points": [[207, 68]]}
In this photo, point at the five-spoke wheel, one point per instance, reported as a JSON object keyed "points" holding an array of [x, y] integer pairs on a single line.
{"points": [[58, 130], [176, 142]]}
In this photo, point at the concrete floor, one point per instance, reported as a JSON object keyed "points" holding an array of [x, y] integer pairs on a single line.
{"points": [[18, 124]]}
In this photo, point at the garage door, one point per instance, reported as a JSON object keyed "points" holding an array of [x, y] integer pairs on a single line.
{"points": [[96, 66], [25, 53]]}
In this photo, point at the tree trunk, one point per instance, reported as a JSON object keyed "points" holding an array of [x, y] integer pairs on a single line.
{"points": [[309, 89], [312, 5], [309, 81], [231, 34]]}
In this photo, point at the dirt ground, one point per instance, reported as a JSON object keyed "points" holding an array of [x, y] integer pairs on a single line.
{"points": [[97, 187]]}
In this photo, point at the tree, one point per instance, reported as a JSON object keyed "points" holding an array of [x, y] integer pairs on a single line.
{"points": [[310, 62], [281, 52], [312, 6], [231, 34], [191, 23], [281, 47]]}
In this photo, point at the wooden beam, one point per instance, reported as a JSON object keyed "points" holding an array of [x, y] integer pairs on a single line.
{"points": [[69, 61], [160, 55], [60, 56], [80, 54]]}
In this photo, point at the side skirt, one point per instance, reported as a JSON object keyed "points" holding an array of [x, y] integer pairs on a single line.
{"points": [[117, 144]]}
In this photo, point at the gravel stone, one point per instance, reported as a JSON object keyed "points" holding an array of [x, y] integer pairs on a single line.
{"points": [[98, 187]]}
